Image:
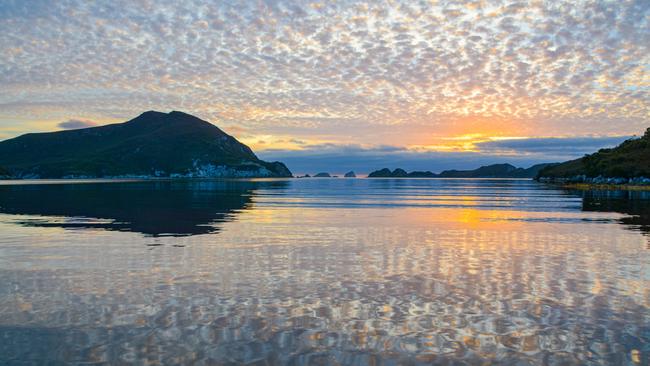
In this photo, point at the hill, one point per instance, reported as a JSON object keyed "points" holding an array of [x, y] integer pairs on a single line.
{"points": [[495, 171], [387, 173], [629, 160], [489, 171], [157, 144]]}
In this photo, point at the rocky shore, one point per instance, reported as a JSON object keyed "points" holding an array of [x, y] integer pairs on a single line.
{"points": [[595, 180], [608, 183]]}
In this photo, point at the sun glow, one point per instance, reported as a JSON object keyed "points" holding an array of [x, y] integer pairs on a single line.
{"points": [[463, 143]]}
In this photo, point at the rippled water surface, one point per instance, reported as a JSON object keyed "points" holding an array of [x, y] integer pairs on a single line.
{"points": [[323, 271]]}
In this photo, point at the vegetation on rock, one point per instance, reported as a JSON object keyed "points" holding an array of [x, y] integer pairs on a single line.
{"points": [[152, 144], [629, 160]]}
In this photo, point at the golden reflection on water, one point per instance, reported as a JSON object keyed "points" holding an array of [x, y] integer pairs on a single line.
{"points": [[304, 284]]}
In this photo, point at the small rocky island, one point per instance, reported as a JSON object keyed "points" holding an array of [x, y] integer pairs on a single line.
{"points": [[322, 175], [350, 174], [154, 144]]}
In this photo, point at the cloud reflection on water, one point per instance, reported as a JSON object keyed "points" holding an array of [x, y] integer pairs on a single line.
{"points": [[336, 271]]}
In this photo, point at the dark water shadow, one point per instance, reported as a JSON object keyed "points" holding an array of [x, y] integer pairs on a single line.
{"points": [[161, 208], [636, 204]]}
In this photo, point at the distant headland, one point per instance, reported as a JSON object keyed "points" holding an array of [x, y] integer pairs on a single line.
{"points": [[154, 144], [489, 171], [626, 164]]}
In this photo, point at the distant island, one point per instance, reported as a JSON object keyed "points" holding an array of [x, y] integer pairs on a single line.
{"points": [[628, 163], [154, 144], [489, 171], [349, 174]]}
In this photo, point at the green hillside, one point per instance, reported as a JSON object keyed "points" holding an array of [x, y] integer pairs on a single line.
{"points": [[630, 159], [152, 144]]}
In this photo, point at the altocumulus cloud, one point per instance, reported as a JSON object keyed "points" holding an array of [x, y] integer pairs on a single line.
{"points": [[557, 67], [74, 124]]}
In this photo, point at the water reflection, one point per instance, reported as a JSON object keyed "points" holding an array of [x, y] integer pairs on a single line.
{"points": [[175, 208], [333, 272], [180, 208], [636, 204]]}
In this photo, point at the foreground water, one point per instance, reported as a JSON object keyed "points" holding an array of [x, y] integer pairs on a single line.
{"points": [[323, 271]]}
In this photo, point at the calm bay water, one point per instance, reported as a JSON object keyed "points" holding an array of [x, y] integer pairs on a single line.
{"points": [[323, 271]]}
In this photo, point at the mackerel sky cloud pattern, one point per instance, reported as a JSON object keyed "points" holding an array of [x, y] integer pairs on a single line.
{"points": [[415, 71]]}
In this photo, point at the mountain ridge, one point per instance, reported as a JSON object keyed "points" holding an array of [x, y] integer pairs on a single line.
{"points": [[174, 144], [486, 171]]}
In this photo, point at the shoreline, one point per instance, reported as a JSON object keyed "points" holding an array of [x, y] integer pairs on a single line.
{"points": [[576, 186], [128, 180], [153, 178], [602, 186]]}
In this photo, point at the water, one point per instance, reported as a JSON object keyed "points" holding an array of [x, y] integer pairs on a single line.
{"points": [[323, 271]]}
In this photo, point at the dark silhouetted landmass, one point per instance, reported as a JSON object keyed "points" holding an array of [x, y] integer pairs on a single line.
{"points": [[421, 174], [382, 173], [350, 174], [399, 173], [4, 173], [495, 171], [489, 171], [153, 144], [629, 162], [322, 175]]}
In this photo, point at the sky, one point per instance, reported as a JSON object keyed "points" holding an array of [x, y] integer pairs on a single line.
{"points": [[338, 86]]}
